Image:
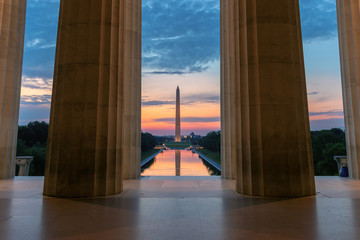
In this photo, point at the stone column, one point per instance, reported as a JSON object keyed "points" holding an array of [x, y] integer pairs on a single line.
{"points": [[95, 109], [349, 40], [264, 109], [229, 132], [131, 138], [12, 29]]}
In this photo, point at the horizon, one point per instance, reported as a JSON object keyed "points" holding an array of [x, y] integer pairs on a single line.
{"points": [[198, 134]]}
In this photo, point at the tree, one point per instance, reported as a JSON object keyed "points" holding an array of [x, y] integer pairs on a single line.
{"points": [[211, 141], [325, 145], [31, 141], [33, 133], [22, 149], [37, 167], [148, 141]]}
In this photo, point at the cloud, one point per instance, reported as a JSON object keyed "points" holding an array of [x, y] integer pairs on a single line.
{"points": [[36, 91], [32, 43], [157, 103], [187, 100], [48, 45], [200, 98], [36, 83], [183, 36], [39, 43], [329, 113], [40, 37], [312, 93], [167, 72], [35, 99], [189, 119], [166, 38], [180, 36], [318, 19]]}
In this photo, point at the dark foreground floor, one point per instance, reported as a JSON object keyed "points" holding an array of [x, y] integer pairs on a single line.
{"points": [[179, 208]]}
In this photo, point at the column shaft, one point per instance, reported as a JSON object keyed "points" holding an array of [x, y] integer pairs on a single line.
{"points": [[229, 73], [264, 111], [132, 91], [95, 105], [349, 40], [12, 29]]}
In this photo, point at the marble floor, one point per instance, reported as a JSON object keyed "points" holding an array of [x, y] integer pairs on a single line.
{"points": [[179, 208]]}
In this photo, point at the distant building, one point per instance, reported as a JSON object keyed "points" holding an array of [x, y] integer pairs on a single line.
{"points": [[190, 137]]}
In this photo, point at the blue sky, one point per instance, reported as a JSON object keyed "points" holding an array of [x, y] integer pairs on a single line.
{"points": [[181, 46]]}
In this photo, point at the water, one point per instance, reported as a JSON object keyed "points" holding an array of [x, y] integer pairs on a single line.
{"points": [[178, 163]]}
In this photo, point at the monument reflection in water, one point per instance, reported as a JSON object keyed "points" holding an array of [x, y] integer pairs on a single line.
{"points": [[178, 163]]}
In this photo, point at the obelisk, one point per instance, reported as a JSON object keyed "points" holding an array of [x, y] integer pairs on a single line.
{"points": [[177, 120]]}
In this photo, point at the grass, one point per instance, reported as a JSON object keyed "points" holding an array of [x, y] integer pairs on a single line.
{"points": [[178, 145], [147, 154], [216, 157]]}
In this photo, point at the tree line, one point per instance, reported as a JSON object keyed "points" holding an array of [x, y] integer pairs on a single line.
{"points": [[148, 141], [32, 139], [211, 142], [325, 145]]}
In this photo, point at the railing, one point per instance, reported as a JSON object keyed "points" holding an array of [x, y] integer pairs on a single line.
{"points": [[211, 162], [342, 165], [148, 159], [24, 164]]}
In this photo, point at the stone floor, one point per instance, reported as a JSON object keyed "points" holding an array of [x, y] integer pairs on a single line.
{"points": [[179, 208]]}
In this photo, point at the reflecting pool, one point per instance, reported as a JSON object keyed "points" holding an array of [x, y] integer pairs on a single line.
{"points": [[178, 163]]}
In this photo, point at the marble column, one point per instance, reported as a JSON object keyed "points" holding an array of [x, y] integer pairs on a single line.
{"points": [[266, 134], [94, 134], [12, 29], [131, 137], [349, 40], [228, 77]]}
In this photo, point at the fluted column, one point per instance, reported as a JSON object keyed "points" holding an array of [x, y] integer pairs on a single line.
{"points": [[349, 40], [95, 109], [264, 98], [132, 91], [229, 77], [12, 28]]}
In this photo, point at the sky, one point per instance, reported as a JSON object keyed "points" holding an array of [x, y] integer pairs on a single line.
{"points": [[181, 47]]}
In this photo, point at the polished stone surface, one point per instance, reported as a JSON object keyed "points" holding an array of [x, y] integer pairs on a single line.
{"points": [[179, 208]]}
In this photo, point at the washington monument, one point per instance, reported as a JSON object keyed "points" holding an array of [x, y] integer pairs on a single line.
{"points": [[177, 119]]}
